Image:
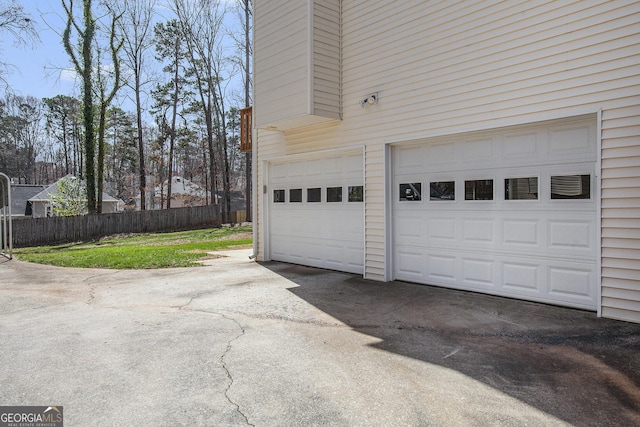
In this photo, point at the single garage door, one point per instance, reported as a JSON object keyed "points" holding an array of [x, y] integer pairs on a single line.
{"points": [[316, 212], [509, 212]]}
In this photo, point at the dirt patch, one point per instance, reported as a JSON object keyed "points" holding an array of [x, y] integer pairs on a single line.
{"points": [[238, 236]]}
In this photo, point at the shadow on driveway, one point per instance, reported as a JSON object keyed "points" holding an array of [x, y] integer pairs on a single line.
{"points": [[568, 363]]}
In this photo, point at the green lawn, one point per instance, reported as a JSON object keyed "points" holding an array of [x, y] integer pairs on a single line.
{"points": [[163, 250]]}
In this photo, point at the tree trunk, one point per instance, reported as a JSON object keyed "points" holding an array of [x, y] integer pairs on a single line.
{"points": [[101, 150], [174, 116], [87, 108], [143, 169]]}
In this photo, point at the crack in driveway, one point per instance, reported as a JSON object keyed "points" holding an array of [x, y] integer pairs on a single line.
{"points": [[184, 307], [93, 285], [228, 371]]}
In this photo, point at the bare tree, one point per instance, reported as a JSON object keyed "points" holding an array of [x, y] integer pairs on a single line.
{"points": [[135, 27], [20, 28], [21, 136], [105, 96], [170, 49], [122, 161], [201, 23], [62, 114], [241, 58]]}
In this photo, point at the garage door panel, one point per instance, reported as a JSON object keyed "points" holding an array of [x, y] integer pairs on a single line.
{"points": [[520, 243], [478, 151], [475, 230], [353, 259], [323, 234], [317, 168], [479, 272], [570, 284], [332, 251], [410, 263], [523, 234], [572, 142], [441, 267], [352, 168], [410, 228], [521, 277], [571, 235], [521, 146], [297, 224], [409, 158], [441, 156], [287, 247], [569, 281], [442, 229], [323, 253]]}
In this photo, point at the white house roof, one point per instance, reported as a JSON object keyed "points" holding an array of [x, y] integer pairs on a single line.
{"points": [[180, 185], [45, 195]]}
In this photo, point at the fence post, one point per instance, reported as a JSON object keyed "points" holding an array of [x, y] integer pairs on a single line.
{"points": [[6, 230]]}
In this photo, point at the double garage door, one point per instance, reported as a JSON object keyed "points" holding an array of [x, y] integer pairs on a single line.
{"points": [[509, 212], [316, 211]]}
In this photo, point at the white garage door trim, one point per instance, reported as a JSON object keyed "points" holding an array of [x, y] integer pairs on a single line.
{"points": [[328, 233], [468, 241]]}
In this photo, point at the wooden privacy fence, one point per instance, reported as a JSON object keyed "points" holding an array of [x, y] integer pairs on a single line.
{"points": [[55, 230]]}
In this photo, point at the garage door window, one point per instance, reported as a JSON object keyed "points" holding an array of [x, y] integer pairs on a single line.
{"points": [[314, 195], [521, 188], [410, 192], [571, 187], [278, 196], [334, 194], [295, 195], [356, 193], [442, 190], [478, 189]]}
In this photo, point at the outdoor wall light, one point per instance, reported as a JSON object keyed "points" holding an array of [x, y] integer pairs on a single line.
{"points": [[369, 100]]}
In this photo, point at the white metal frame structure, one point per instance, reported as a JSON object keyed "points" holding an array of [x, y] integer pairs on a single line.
{"points": [[6, 230]]}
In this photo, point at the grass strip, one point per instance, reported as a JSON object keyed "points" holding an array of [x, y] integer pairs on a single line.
{"points": [[166, 250]]}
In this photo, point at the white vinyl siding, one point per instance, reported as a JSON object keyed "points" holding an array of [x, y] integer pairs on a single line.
{"points": [[621, 212], [374, 213], [282, 60], [297, 49], [443, 68], [326, 59]]}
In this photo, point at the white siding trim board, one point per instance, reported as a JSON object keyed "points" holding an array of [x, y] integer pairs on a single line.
{"points": [[598, 181]]}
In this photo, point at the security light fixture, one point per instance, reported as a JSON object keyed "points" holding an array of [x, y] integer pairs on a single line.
{"points": [[369, 100]]}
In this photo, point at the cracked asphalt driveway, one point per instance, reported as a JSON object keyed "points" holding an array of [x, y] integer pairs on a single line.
{"points": [[238, 343]]}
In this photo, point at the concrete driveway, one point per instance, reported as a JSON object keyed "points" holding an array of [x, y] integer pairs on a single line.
{"points": [[239, 343]]}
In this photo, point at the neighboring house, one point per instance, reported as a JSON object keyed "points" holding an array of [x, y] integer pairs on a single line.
{"points": [[484, 146], [41, 202], [183, 193], [20, 195]]}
